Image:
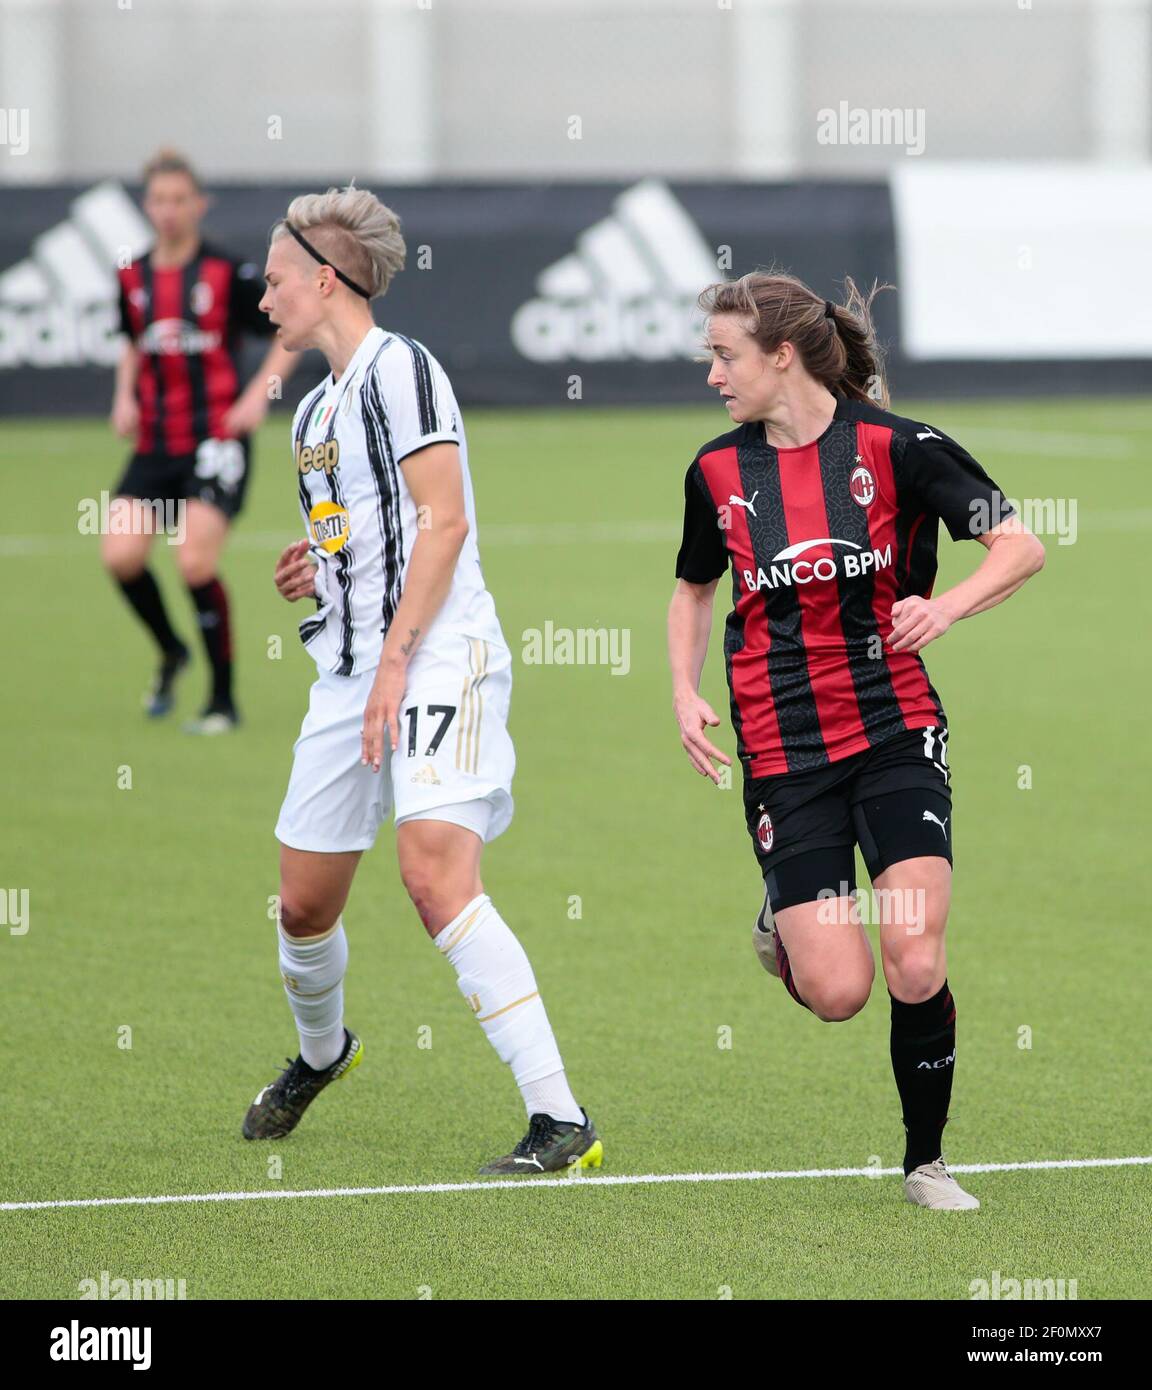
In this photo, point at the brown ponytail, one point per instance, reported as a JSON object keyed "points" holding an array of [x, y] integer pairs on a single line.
{"points": [[840, 350]]}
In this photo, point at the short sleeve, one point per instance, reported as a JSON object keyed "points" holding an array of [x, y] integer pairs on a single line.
{"points": [[703, 555], [125, 315], [952, 485], [418, 398], [247, 292]]}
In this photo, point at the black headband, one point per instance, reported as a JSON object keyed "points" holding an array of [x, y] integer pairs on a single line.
{"points": [[829, 307], [316, 256]]}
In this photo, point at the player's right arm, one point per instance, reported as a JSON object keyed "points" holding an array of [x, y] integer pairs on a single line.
{"points": [[295, 573], [125, 415], [702, 560], [689, 627], [296, 570]]}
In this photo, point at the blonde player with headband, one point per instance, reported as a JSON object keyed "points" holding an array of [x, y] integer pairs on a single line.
{"points": [[410, 703]]}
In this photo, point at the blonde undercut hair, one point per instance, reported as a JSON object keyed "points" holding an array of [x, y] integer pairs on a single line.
{"points": [[355, 229]]}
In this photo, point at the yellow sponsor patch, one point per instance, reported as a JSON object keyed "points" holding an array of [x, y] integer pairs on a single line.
{"points": [[329, 522]]}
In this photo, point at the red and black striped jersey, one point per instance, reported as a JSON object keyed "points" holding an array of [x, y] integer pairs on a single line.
{"points": [[822, 540], [186, 324]]}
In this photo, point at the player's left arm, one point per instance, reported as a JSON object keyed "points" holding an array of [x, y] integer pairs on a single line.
{"points": [[1013, 555], [436, 483], [951, 485]]}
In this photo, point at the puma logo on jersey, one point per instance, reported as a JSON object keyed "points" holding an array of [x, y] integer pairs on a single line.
{"points": [[740, 502], [928, 434], [941, 823], [316, 457]]}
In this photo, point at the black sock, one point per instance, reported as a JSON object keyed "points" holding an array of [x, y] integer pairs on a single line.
{"points": [[143, 594], [923, 1060], [211, 602]]}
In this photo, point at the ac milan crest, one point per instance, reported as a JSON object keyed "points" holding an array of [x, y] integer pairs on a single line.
{"points": [[200, 298], [862, 486]]}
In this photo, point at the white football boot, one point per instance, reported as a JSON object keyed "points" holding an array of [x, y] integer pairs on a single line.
{"points": [[765, 941], [932, 1185]]}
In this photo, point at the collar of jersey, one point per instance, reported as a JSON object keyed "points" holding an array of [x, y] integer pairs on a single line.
{"points": [[373, 337], [192, 259]]}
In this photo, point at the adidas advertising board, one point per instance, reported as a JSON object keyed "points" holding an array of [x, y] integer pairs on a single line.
{"points": [[534, 294]]}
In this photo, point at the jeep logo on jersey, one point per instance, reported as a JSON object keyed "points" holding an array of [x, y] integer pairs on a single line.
{"points": [[764, 832], [314, 457], [787, 567], [862, 486], [176, 338], [329, 521]]}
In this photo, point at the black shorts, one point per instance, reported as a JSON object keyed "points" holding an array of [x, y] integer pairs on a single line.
{"points": [[216, 472], [894, 801]]}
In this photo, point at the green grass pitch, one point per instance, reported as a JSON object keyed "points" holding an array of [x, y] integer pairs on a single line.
{"points": [[149, 912]]}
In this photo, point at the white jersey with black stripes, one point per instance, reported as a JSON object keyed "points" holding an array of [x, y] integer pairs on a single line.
{"points": [[350, 438]]}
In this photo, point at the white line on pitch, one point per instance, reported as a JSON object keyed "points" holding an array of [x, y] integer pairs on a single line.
{"points": [[623, 1180], [1018, 441]]}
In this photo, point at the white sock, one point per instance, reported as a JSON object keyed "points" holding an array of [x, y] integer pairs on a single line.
{"points": [[312, 968], [495, 976], [551, 1096]]}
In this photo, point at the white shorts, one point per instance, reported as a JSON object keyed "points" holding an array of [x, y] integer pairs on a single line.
{"points": [[454, 758]]}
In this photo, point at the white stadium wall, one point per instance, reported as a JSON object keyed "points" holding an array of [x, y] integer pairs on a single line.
{"points": [[427, 90]]}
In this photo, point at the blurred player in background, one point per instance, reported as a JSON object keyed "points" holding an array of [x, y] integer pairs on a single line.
{"points": [[826, 509], [409, 709], [183, 309]]}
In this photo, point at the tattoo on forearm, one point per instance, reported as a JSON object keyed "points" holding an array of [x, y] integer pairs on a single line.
{"points": [[413, 635]]}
